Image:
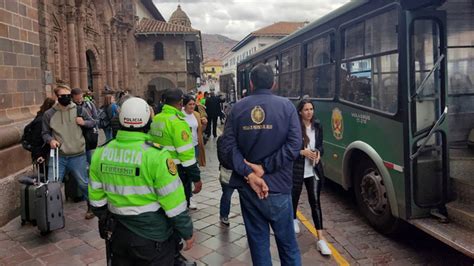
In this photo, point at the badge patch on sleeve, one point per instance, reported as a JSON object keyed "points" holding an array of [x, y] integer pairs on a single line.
{"points": [[184, 135], [171, 166]]}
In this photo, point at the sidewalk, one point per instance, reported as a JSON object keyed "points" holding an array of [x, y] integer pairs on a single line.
{"points": [[79, 242]]}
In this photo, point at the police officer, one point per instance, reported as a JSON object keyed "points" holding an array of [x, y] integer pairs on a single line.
{"points": [[137, 181], [170, 129]]}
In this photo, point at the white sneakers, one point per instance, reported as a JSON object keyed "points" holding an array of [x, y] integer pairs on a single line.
{"points": [[296, 225], [192, 204], [323, 247]]}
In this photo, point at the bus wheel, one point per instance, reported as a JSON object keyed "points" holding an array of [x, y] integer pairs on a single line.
{"points": [[372, 199]]}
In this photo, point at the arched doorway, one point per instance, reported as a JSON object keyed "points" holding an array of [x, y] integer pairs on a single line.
{"points": [[91, 67], [156, 87]]}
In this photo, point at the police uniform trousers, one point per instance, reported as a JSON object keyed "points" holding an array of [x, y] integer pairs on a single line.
{"points": [[129, 248], [187, 183]]}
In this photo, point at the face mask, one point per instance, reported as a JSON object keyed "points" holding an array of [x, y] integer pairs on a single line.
{"points": [[64, 100]]}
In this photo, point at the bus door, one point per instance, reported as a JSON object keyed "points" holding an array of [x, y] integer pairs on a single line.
{"points": [[428, 109]]}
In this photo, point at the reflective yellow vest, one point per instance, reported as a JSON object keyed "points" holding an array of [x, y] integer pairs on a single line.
{"points": [[170, 130], [133, 176]]}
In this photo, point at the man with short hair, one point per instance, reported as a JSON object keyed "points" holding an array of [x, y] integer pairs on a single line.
{"points": [[262, 138], [62, 129], [170, 129], [87, 108]]}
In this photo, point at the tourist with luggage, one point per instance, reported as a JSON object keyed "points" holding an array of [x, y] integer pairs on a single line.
{"points": [[62, 131], [138, 196]]}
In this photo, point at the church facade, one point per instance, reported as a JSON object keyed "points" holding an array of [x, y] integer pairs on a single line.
{"points": [[95, 45]]}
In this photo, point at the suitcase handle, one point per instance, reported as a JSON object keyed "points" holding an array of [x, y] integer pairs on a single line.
{"points": [[36, 166], [54, 155]]}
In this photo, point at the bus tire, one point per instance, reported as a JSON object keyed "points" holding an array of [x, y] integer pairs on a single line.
{"points": [[372, 199]]}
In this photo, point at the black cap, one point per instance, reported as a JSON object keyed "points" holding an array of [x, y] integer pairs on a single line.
{"points": [[171, 96]]}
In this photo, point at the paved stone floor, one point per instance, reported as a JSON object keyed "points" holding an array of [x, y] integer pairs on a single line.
{"points": [[79, 243]]}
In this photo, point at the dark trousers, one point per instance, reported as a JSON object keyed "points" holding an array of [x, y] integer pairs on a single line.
{"points": [[212, 121], [187, 184], [129, 248], [313, 187]]}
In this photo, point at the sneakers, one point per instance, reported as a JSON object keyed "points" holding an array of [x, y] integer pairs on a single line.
{"points": [[296, 225], [323, 247], [225, 221], [192, 204]]}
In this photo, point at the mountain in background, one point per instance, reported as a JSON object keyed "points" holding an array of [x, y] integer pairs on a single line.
{"points": [[215, 46]]}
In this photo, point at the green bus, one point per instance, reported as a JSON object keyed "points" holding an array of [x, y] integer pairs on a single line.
{"points": [[392, 86]]}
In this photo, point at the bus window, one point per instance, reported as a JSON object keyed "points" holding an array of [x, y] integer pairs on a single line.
{"points": [[425, 42], [274, 63], [290, 75], [372, 80], [319, 72]]}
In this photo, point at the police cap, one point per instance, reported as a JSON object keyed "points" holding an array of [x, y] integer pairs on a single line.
{"points": [[173, 95]]}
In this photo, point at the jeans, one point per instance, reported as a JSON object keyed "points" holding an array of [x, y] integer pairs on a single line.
{"points": [[89, 154], [226, 200], [108, 133], [275, 211], [74, 165]]}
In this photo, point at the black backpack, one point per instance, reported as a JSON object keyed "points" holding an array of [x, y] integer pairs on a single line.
{"points": [[27, 138], [224, 154], [91, 135]]}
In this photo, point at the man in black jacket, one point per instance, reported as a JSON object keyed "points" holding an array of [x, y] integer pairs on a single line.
{"points": [[213, 110]]}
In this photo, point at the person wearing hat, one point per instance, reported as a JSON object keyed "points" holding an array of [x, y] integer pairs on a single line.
{"points": [[170, 129], [137, 182]]}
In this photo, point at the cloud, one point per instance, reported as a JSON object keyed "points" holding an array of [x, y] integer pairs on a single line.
{"points": [[237, 18]]}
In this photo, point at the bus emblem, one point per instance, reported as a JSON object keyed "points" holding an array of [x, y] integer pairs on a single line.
{"points": [[258, 115], [337, 123]]}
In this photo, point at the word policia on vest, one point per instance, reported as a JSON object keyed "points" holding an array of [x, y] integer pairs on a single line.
{"points": [[122, 156]]}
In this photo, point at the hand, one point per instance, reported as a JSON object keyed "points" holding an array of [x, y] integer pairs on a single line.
{"points": [[311, 155], [318, 157], [256, 168], [80, 121], [189, 243], [197, 187], [54, 144], [204, 121], [258, 185]]}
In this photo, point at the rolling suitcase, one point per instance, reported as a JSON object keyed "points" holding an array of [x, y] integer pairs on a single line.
{"points": [[29, 184], [49, 200]]}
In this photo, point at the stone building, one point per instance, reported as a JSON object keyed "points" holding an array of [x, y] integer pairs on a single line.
{"points": [[170, 54], [90, 44]]}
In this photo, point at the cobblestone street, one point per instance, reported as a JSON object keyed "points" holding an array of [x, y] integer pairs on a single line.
{"points": [[79, 243]]}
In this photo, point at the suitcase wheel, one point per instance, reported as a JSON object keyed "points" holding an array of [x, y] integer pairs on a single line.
{"points": [[34, 223], [23, 222], [45, 233]]}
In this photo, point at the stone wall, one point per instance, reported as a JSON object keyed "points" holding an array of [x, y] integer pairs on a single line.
{"points": [[21, 92]]}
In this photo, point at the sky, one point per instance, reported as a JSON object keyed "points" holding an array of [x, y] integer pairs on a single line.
{"points": [[237, 18]]}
